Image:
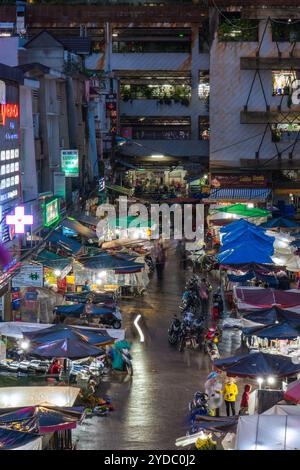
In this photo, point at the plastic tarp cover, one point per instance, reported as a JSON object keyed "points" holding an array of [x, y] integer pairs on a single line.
{"points": [[283, 410], [65, 348], [16, 440], [12, 397], [268, 432], [263, 298]]}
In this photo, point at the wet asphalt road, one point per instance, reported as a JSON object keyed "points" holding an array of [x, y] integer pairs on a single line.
{"points": [[151, 407]]}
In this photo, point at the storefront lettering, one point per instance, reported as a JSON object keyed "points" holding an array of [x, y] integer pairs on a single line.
{"points": [[8, 111]]}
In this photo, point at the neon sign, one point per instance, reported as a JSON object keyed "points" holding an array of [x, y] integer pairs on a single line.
{"points": [[19, 220], [8, 111]]}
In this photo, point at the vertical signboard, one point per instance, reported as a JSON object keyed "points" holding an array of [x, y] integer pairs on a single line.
{"points": [[70, 163]]}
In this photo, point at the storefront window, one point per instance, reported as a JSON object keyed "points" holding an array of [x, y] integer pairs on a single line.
{"points": [[204, 86], [282, 82], [157, 128], [204, 129], [166, 92], [145, 40]]}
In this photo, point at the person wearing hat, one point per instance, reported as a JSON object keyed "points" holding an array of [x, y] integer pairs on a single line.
{"points": [[213, 388], [230, 392]]}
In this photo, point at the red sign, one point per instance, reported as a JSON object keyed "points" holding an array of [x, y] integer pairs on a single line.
{"points": [[8, 111]]}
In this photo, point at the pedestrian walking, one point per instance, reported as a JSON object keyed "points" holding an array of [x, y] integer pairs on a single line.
{"points": [[204, 296], [230, 392], [160, 258], [244, 405]]}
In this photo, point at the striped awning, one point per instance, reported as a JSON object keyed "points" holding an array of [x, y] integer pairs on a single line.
{"points": [[239, 194]]}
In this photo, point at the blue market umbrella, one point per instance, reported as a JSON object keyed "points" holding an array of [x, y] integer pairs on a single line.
{"points": [[65, 348], [258, 365], [58, 332]]}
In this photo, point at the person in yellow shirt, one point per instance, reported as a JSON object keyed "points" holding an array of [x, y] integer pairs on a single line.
{"points": [[230, 392]]}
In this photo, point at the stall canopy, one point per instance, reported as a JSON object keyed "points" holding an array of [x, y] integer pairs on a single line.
{"points": [[268, 432], [80, 229], [239, 194], [238, 225], [52, 260], [58, 332], [16, 397], [292, 392], [258, 365], [269, 316], [78, 309], [45, 419], [17, 329], [16, 440], [64, 242], [276, 331], [65, 348], [87, 219], [245, 252], [280, 222], [249, 298], [109, 262], [244, 211], [283, 410]]}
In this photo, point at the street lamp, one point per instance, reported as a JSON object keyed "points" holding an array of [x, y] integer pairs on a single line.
{"points": [[260, 381]]}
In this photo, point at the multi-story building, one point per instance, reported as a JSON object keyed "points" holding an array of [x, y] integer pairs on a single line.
{"points": [[255, 123], [151, 63]]}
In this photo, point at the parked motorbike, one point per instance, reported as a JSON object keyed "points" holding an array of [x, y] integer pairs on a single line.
{"points": [[126, 356], [211, 341], [187, 337], [174, 331]]}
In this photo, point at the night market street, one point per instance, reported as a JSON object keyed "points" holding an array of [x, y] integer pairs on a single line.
{"points": [[152, 407], [149, 227]]}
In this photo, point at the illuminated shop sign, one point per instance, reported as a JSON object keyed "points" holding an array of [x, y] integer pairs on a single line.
{"points": [[8, 111], [70, 162], [51, 212], [9, 141]]}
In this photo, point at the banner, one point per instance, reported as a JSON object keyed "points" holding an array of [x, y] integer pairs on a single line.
{"points": [[238, 181], [30, 275]]}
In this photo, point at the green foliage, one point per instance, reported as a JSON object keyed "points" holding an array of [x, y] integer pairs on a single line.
{"points": [[238, 30]]}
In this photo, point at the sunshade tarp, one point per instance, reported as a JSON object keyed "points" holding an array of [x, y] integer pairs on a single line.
{"points": [[238, 225], [74, 310], [48, 419], [109, 262], [244, 211], [268, 432], [52, 260], [58, 332], [243, 253], [77, 227], [258, 240], [64, 242], [283, 410], [16, 329], [269, 316], [65, 348], [16, 440], [241, 278], [279, 222], [265, 298], [87, 219], [292, 392], [12, 397], [258, 365], [275, 331]]}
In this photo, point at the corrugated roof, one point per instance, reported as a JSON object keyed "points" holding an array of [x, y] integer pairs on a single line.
{"points": [[239, 194]]}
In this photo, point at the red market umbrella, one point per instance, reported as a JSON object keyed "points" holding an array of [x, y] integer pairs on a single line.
{"points": [[292, 392]]}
